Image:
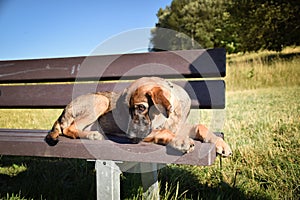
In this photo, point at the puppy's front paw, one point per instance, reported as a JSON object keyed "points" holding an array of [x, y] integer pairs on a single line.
{"points": [[95, 135], [223, 148], [183, 144]]}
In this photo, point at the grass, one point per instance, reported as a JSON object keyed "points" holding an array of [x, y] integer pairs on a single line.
{"points": [[263, 70], [49, 179], [28, 118], [263, 131], [262, 125]]}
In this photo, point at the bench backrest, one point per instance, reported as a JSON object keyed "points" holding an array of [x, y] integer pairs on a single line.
{"points": [[52, 83]]}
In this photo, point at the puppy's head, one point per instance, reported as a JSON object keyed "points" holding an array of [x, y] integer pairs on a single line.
{"points": [[143, 100]]}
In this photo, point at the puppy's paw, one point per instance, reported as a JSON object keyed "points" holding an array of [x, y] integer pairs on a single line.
{"points": [[95, 135], [223, 148], [183, 144]]}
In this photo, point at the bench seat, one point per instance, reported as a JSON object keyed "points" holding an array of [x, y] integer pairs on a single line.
{"points": [[26, 142]]}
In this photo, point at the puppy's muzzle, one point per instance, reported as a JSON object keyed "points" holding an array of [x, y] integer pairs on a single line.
{"points": [[138, 129]]}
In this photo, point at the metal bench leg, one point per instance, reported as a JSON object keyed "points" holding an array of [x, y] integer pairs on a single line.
{"points": [[108, 180], [149, 180]]}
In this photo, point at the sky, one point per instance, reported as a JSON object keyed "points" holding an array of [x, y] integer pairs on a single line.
{"points": [[65, 28]]}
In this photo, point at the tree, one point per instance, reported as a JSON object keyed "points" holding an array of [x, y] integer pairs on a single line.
{"points": [[237, 25], [192, 24], [271, 24]]}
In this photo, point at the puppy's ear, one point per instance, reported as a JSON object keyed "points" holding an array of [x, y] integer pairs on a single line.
{"points": [[158, 97], [131, 109]]}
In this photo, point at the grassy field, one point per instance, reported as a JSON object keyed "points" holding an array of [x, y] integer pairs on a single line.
{"points": [[262, 125]]}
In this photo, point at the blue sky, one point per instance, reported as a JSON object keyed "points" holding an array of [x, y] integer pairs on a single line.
{"points": [[62, 28]]}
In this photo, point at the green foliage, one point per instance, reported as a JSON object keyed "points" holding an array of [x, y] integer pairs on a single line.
{"points": [[193, 24], [271, 24], [13, 170], [238, 26]]}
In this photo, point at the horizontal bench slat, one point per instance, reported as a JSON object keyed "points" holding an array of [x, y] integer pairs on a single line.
{"points": [[204, 94], [191, 63], [15, 142]]}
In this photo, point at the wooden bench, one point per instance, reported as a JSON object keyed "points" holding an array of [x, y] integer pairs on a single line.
{"points": [[53, 83]]}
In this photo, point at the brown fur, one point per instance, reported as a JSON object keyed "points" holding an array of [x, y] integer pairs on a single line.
{"points": [[150, 109]]}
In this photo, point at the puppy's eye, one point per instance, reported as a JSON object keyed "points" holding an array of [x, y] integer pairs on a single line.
{"points": [[140, 107]]}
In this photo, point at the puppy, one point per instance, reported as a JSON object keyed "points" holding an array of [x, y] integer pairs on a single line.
{"points": [[151, 109]]}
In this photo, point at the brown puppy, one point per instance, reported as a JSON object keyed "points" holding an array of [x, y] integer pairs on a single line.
{"points": [[151, 109], [79, 115]]}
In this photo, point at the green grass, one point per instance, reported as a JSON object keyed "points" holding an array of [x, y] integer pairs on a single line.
{"points": [[28, 118], [262, 125], [263, 130]]}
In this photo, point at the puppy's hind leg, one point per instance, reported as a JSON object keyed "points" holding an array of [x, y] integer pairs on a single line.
{"points": [[80, 129], [79, 114], [94, 132]]}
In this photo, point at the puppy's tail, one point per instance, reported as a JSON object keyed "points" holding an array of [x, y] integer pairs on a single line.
{"points": [[52, 137]]}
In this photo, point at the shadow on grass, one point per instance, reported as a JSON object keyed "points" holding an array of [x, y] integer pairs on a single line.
{"points": [[192, 188], [270, 58], [52, 178], [49, 178], [286, 56]]}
